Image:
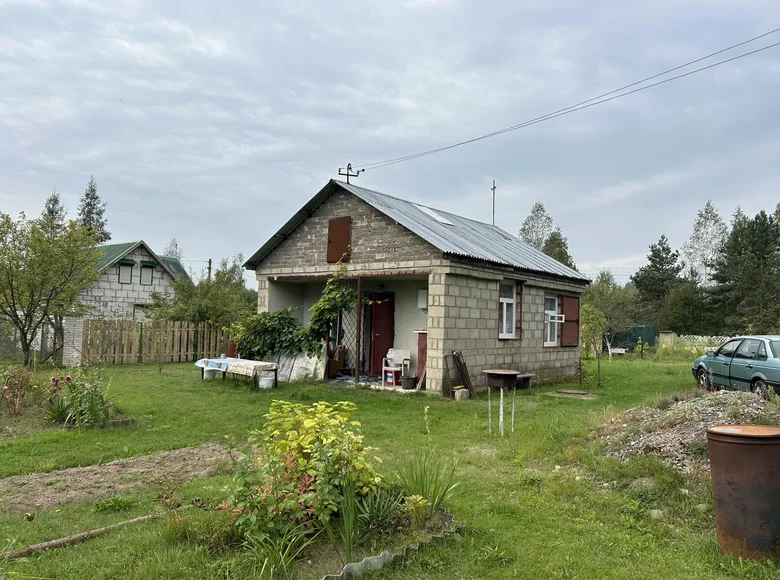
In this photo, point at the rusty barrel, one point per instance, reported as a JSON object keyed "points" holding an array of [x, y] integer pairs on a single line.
{"points": [[745, 467]]}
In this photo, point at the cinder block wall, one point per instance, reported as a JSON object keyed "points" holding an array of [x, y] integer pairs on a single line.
{"points": [[379, 246], [463, 315]]}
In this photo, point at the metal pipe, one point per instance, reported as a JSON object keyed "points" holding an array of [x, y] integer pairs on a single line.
{"points": [[358, 316]]}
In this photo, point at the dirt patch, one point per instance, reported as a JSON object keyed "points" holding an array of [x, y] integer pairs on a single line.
{"points": [[96, 482], [676, 428], [573, 394]]}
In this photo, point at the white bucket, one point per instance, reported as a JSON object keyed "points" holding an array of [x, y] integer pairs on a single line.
{"points": [[209, 374], [265, 380]]}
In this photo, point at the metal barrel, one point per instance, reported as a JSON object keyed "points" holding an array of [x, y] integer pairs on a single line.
{"points": [[745, 468]]}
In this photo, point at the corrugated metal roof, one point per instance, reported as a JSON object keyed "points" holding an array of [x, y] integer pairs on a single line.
{"points": [[111, 253], [461, 237]]}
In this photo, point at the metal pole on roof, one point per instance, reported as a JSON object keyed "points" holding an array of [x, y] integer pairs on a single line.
{"points": [[358, 315], [494, 201]]}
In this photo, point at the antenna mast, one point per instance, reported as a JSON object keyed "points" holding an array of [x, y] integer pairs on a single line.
{"points": [[349, 173], [494, 201]]}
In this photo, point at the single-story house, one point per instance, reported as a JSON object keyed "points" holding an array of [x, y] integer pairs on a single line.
{"points": [[437, 283], [129, 273]]}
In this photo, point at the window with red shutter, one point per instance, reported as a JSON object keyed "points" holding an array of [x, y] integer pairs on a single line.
{"points": [[339, 239], [570, 330]]}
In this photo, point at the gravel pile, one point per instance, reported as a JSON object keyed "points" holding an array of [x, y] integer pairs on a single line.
{"points": [[676, 430]]}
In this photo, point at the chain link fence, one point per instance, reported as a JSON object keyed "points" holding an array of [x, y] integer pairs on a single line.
{"points": [[11, 352]]}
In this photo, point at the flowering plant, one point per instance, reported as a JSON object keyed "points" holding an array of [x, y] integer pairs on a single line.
{"points": [[83, 403]]}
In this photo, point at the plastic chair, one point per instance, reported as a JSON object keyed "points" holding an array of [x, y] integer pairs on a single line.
{"points": [[396, 360]]}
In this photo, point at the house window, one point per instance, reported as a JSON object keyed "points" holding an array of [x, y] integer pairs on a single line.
{"points": [[506, 311], [125, 273], [147, 272], [552, 321]]}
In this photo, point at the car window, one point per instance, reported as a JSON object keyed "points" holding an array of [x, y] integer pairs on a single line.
{"points": [[761, 352], [748, 349], [728, 348], [775, 344]]}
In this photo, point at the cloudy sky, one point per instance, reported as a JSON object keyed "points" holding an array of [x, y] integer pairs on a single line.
{"points": [[213, 122]]}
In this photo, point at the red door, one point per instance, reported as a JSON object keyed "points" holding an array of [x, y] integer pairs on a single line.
{"points": [[382, 330]]}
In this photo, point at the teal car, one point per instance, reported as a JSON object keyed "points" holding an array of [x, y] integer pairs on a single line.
{"points": [[747, 363]]}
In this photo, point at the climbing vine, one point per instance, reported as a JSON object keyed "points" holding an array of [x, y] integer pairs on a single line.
{"points": [[264, 335]]}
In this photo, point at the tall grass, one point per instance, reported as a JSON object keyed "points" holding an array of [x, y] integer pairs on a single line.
{"points": [[428, 475]]}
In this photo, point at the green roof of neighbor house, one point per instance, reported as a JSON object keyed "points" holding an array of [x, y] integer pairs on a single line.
{"points": [[113, 253], [175, 265]]}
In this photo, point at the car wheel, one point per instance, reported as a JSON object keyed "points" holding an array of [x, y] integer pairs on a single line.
{"points": [[760, 388], [704, 383]]}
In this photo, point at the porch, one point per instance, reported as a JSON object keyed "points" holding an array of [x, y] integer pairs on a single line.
{"points": [[394, 314]]}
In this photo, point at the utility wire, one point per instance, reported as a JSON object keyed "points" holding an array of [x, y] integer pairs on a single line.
{"points": [[589, 102]]}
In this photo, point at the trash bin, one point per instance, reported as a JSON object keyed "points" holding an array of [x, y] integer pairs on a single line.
{"points": [[745, 463], [209, 374]]}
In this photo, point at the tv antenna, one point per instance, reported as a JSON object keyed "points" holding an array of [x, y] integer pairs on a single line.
{"points": [[494, 201], [349, 173]]}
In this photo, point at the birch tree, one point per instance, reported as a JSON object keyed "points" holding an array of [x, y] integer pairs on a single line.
{"points": [[537, 227], [706, 241]]}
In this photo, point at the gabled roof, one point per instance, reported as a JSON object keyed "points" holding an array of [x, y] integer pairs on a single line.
{"points": [[112, 253], [452, 234]]}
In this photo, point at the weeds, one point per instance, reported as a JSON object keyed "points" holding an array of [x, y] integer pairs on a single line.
{"points": [[277, 551], [115, 503]]}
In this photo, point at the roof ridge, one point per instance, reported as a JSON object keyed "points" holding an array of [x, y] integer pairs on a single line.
{"points": [[427, 206]]}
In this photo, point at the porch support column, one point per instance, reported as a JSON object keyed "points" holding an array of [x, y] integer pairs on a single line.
{"points": [[358, 316]]}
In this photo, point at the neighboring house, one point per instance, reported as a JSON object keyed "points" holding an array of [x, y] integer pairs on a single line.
{"points": [[437, 282], [129, 273]]}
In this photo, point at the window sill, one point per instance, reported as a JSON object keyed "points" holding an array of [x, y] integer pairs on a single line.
{"points": [[510, 338], [551, 345]]}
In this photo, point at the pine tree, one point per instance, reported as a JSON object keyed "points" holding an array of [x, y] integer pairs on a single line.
{"points": [[557, 246], [537, 226], [53, 211], [655, 281], [92, 212]]}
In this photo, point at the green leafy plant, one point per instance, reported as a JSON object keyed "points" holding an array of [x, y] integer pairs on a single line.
{"points": [[116, 503], [298, 465], [57, 411], [83, 403], [16, 388], [418, 507], [347, 534], [264, 335], [380, 510], [278, 552], [430, 476]]}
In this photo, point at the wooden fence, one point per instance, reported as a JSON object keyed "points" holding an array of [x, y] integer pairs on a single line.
{"points": [[130, 342]]}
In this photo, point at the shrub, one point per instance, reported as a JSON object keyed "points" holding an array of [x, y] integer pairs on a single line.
{"points": [[297, 466], [264, 335], [16, 387]]}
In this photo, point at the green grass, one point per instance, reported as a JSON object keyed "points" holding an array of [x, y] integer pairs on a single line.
{"points": [[541, 503]]}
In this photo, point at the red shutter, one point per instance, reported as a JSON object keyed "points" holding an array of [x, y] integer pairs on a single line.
{"points": [[339, 239], [570, 331], [519, 311]]}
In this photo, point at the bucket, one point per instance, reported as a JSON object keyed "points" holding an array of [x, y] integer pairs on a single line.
{"points": [[209, 374], [265, 380], [409, 382], [744, 462]]}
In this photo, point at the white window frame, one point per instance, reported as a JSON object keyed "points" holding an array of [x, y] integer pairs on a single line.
{"points": [[552, 317], [130, 277], [150, 269], [507, 305]]}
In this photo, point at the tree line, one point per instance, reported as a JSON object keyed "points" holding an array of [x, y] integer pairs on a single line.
{"points": [[722, 281]]}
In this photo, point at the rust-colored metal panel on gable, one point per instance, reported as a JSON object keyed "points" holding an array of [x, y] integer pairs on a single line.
{"points": [[570, 333], [339, 239]]}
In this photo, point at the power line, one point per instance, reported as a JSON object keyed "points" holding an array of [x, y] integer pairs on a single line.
{"points": [[589, 102]]}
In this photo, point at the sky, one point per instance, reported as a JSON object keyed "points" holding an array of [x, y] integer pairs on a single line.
{"points": [[212, 123]]}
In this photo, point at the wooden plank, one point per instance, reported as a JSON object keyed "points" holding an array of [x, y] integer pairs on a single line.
{"points": [[137, 330], [126, 342]]}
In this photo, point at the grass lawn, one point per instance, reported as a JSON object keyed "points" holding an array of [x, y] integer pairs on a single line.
{"points": [[541, 503]]}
